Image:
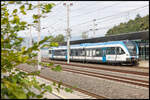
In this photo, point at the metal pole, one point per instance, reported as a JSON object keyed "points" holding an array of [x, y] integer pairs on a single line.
{"points": [[68, 33], [94, 27], [30, 37], [39, 53], [68, 36]]}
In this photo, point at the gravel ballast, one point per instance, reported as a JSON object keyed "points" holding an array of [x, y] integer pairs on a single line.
{"points": [[103, 87]]}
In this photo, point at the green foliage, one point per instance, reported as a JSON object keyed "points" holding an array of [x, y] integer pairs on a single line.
{"points": [[68, 90], [47, 64], [48, 88], [138, 24], [30, 7], [18, 85], [47, 8], [57, 68], [36, 16], [15, 11], [55, 41]]}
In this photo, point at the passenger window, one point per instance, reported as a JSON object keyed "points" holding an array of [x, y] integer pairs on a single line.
{"points": [[50, 52], [93, 52], [73, 52], [111, 50], [87, 53], [98, 52], [80, 52], [90, 52]]}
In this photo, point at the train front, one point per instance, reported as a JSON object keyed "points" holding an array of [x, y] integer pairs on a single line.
{"points": [[133, 50]]}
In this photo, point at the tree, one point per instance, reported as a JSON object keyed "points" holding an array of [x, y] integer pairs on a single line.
{"points": [[59, 38], [138, 24], [137, 16], [16, 85]]}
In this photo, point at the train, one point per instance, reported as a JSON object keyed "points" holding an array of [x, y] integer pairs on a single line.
{"points": [[112, 52]]}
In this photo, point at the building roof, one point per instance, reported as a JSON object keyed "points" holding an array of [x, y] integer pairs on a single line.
{"points": [[142, 35]]}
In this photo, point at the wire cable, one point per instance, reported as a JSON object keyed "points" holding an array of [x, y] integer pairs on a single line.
{"points": [[110, 15]]}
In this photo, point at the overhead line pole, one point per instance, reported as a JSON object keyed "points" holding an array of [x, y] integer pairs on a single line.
{"points": [[39, 37], [30, 37], [68, 33]]}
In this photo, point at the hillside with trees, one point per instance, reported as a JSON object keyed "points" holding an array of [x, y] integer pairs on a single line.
{"points": [[138, 24]]}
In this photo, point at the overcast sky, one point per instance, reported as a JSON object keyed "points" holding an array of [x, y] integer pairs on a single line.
{"points": [[82, 13]]}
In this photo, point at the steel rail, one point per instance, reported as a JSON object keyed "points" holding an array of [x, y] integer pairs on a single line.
{"points": [[102, 68], [64, 84], [104, 77]]}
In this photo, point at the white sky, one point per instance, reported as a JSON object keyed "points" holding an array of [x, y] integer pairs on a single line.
{"points": [[81, 15]]}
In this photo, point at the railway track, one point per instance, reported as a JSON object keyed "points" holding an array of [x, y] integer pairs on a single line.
{"points": [[117, 66], [64, 84], [102, 68], [137, 82]]}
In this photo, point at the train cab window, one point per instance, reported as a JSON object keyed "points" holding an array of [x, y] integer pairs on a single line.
{"points": [[111, 50], [120, 51]]}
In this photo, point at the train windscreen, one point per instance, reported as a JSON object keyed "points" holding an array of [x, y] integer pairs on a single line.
{"points": [[131, 47]]}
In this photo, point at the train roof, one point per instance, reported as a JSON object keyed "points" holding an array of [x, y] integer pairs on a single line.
{"points": [[91, 44]]}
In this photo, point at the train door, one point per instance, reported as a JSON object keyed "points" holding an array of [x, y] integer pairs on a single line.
{"points": [[52, 54], [66, 55], [104, 55]]}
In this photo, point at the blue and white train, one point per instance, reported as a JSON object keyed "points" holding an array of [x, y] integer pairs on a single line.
{"points": [[116, 52]]}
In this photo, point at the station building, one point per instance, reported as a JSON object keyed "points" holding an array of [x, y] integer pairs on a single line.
{"points": [[141, 38]]}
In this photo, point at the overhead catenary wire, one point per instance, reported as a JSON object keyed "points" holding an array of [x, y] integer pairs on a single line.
{"points": [[110, 16], [91, 12], [76, 16], [110, 20]]}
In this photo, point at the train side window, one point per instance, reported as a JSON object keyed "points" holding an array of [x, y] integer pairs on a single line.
{"points": [[111, 50], [63, 52], [78, 52], [73, 52], [87, 53], [81, 52], [94, 50], [98, 52], [50, 51], [90, 52]]}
